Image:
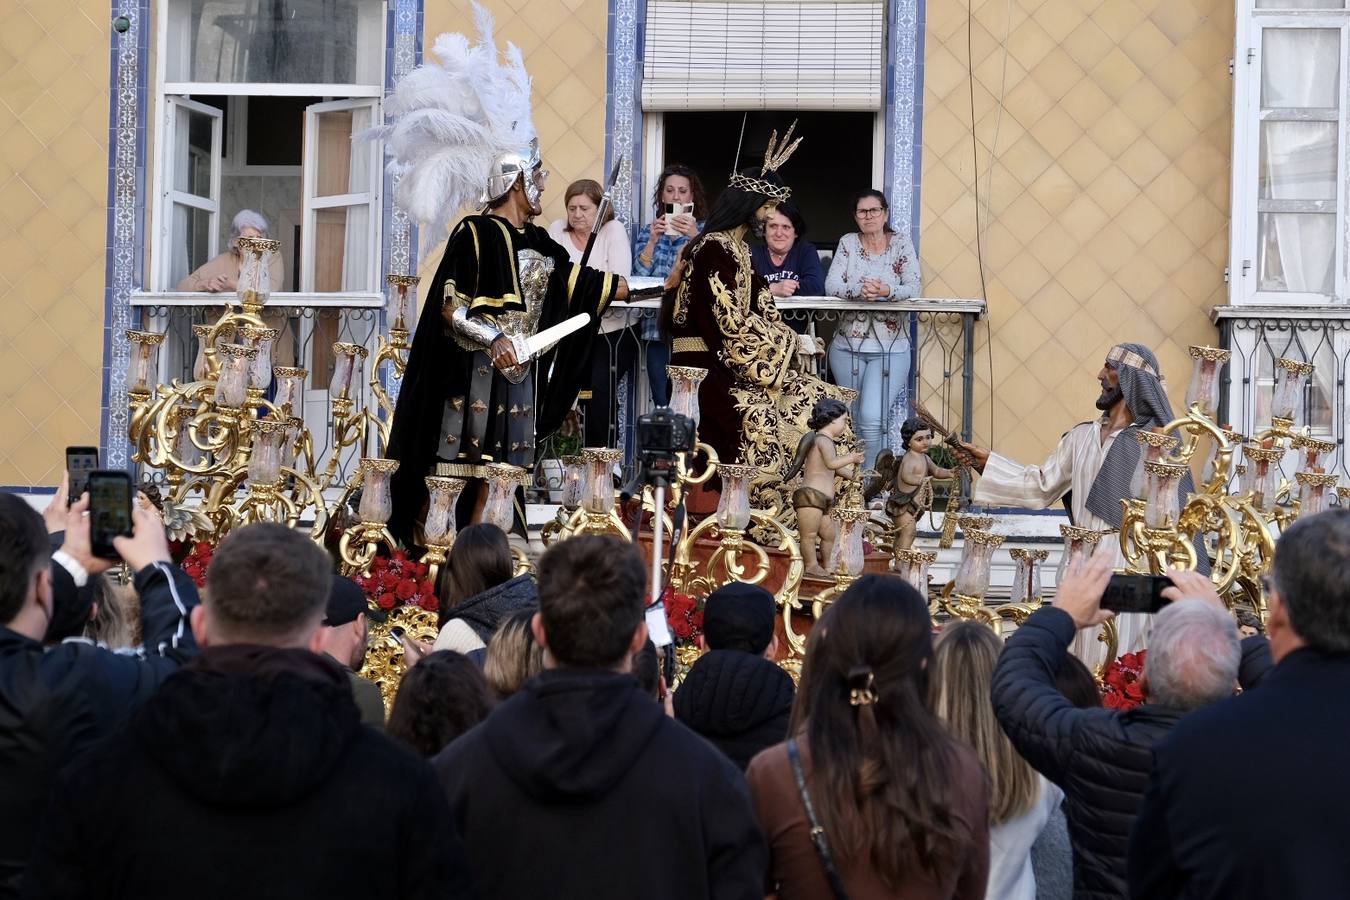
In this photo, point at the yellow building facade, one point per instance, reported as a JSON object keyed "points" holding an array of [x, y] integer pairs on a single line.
{"points": [[1091, 206]]}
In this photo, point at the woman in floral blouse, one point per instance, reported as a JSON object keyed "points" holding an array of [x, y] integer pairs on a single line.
{"points": [[870, 353]]}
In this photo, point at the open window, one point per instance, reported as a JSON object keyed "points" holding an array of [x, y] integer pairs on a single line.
{"points": [[341, 183], [190, 226]]}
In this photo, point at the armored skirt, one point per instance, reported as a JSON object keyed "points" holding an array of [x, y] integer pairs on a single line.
{"points": [[754, 405], [456, 410]]}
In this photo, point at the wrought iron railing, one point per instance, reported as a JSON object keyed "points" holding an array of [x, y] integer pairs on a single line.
{"points": [[1258, 336]]}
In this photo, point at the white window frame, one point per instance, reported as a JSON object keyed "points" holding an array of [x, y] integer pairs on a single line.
{"points": [[1243, 275], [168, 196], [167, 92], [311, 204]]}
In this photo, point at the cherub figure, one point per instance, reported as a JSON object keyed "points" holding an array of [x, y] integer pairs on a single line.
{"points": [[818, 464], [910, 491]]}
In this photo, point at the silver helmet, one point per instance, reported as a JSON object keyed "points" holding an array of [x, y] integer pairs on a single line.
{"points": [[506, 168]]}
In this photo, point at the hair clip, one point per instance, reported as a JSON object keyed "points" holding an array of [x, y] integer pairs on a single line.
{"points": [[865, 695]]}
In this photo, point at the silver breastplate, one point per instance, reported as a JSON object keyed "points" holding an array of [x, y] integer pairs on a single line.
{"points": [[535, 269]]}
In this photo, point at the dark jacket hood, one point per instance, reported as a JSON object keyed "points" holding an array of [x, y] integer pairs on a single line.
{"points": [[250, 727], [572, 734], [730, 692], [484, 612]]}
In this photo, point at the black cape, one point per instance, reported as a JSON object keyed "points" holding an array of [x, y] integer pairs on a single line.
{"points": [[479, 270]]}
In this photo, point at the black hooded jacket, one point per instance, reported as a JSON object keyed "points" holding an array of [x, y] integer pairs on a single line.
{"points": [[248, 775], [738, 701], [485, 612], [579, 785]]}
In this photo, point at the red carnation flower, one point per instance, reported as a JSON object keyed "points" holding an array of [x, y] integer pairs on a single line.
{"points": [[385, 601], [406, 590]]}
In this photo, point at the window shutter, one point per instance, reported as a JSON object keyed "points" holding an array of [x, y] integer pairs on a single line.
{"points": [[764, 54]]}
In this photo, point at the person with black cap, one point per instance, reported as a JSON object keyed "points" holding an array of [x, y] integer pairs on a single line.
{"points": [[345, 635], [735, 696]]}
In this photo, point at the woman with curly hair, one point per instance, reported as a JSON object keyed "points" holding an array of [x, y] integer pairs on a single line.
{"points": [[872, 797], [440, 698]]}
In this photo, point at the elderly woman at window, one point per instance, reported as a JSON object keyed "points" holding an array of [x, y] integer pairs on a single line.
{"points": [[611, 253], [870, 353], [221, 274]]}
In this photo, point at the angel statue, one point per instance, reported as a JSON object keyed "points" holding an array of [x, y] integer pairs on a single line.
{"points": [[818, 464], [910, 480]]}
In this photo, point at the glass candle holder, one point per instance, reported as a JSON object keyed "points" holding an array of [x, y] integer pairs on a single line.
{"points": [[1313, 455], [1234, 440], [143, 364], [684, 386], [1153, 447], [1078, 542], [264, 461], [291, 446], [443, 493], [1162, 505], [290, 388], [255, 269], [232, 380], [261, 339], [1203, 391], [1343, 497], [376, 504], [187, 452], [402, 298], [200, 369], [1291, 376], [598, 491], [346, 369], [846, 556], [733, 507], [502, 480], [977, 555], [912, 565], [1312, 492], [1026, 587], [574, 483], [1261, 477], [974, 522]]}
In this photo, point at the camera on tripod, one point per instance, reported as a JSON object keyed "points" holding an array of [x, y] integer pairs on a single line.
{"points": [[661, 435]]}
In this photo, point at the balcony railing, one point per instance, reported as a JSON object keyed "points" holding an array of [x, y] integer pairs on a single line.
{"points": [[928, 355], [1259, 335]]}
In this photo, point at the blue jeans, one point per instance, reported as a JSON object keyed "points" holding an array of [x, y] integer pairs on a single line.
{"points": [[658, 357], [881, 378]]}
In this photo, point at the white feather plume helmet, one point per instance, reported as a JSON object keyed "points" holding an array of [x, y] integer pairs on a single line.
{"points": [[450, 120]]}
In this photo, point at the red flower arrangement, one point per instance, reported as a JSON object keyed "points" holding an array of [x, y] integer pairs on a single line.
{"points": [[396, 580], [196, 561], [684, 614], [1120, 683]]}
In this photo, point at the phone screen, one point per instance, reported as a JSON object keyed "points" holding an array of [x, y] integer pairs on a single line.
{"points": [[80, 461], [1136, 593], [109, 510]]}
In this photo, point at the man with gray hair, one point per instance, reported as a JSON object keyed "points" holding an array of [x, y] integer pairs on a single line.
{"points": [[1101, 757], [1203, 831]]}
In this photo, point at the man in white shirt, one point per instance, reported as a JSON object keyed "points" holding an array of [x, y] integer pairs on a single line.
{"points": [[1092, 465]]}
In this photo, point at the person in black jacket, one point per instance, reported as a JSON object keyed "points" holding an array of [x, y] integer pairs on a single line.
{"points": [[1248, 799], [1101, 758], [579, 785], [55, 703], [249, 773], [734, 695]]}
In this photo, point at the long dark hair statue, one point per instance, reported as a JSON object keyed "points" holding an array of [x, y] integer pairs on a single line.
{"points": [[883, 762], [734, 207]]}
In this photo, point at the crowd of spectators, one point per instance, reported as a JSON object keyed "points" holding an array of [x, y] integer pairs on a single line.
{"points": [[235, 751]]}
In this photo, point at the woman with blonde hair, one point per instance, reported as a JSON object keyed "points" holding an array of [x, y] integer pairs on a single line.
{"points": [[513, 655], [1021, 801]]}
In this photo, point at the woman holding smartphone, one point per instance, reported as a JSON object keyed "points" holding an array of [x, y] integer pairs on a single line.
{"points": [[680, 207]]}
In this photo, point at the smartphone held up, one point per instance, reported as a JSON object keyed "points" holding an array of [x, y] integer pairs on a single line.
{"points": [[80, 461], [1130, 593], [110, 494]]}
